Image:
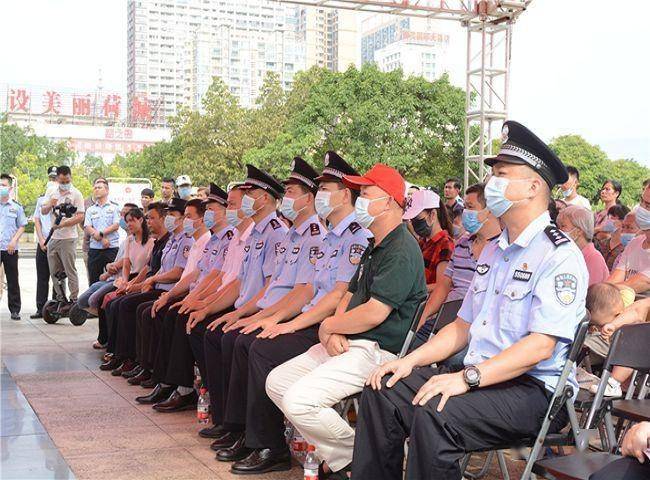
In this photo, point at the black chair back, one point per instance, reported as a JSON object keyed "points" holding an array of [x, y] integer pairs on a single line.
{"points": [[413, 328], [630, 347], [447, 314]]}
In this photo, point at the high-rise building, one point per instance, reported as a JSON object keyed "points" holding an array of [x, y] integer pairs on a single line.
{"points": [[417, 46], [330, 37], [175, 47]]}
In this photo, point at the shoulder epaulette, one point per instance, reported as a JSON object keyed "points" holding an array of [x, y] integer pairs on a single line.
{"points": [[556, 236], [314, 228], [354, 227], [275, 223]]}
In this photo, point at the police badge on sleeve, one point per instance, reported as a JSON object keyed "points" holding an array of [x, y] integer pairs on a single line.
{"points": [[356, 252], [566, 287]]}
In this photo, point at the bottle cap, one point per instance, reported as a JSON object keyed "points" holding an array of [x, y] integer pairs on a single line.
{"points": [[311, 448], [203, 390]]}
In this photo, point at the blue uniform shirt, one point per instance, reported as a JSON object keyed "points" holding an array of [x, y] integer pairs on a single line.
{"points": [[46, 220], [339, 257], [260, 250], [12, 217], [295, 260], [174, 254], [537, 284], [100, 217], [214, 253]]}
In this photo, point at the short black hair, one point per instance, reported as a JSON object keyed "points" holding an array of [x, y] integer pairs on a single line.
{"points": [[479, 190], [197, 204], [130, 205], [573, 171], [619, 211], [63, 170], [100, 179], [456, 182], [6, 176], [147, 192], [168, 180], [158, 207]]}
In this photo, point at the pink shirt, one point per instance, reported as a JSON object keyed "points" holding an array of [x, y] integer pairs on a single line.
{"points": [[235, 255], [596, 265], [137, 253], [196, 251]]}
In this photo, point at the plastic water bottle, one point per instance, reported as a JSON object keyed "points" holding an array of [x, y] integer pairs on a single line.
{"points": [[299, 447], [203, 406], [197, 379], [311, 464]]}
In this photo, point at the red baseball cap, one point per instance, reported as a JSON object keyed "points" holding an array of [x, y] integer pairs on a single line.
{"points": [[382, 176]]}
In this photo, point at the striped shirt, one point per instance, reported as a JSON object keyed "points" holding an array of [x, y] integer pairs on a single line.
{"points": [[461, 268]]}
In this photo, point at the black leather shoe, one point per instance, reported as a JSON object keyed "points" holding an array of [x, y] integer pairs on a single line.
{"points": [[111, 364], [158, 394], [38, 314], [237, 452], [226, 440], [177, 402], [133, 372], [140, 377], [262, 460], [15, 316], [126, 366], [215, 431], [149, 383]]}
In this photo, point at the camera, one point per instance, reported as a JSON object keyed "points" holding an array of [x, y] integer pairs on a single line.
{"points": [[64, 210]]}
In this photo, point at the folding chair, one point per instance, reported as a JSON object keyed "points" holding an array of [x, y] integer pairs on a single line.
{"points": [[629, 348], [446, 314], [561, 399]]}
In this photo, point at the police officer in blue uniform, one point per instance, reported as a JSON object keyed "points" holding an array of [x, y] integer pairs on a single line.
{"points": [[12, 226], [518, 320], [101, 224], [261, 249]]}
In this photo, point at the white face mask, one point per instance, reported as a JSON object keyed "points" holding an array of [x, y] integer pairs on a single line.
{"points": [[495, 195], [361, 207], [287, 207], [642, 218], [248, 206], [323, 204]]}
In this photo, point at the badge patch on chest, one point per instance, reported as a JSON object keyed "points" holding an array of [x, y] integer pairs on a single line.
{"points": [[259, 245], [522, 275], [186, 251], [356, 252], [482, 269], [313, 255], [566, 287]]}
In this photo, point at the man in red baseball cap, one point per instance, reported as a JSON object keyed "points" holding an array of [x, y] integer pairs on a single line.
{"points": [[368, 327]]}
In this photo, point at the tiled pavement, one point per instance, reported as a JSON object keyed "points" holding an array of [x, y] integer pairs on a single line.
{"points": [[64, 418]]}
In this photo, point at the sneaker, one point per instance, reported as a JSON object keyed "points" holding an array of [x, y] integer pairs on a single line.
{"points": [[613, 388], [585, 379]]}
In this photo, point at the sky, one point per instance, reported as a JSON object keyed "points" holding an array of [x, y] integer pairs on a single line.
{"points": [[577, 66]]}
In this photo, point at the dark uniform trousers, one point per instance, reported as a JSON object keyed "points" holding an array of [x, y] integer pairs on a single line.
{"points": [[42, 278], [247, 403], [624, 469], [144, 334], [488, 417], [98, 258], [10, 263], [120, 319]]}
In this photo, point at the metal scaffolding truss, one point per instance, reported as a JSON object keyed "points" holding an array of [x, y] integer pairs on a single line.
{"points": [[489, 39]]}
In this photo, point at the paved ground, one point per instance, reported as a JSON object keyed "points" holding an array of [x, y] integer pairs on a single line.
{"points": [[64, 418]]}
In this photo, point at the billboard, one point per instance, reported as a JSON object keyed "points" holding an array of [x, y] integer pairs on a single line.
{"points": [[127, 190]]}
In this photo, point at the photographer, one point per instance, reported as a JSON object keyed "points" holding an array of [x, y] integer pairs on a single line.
{"points": [[66, 205], [101, 224]]}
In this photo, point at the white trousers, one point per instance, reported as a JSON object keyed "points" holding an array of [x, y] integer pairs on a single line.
{"points": [[307, 387]]}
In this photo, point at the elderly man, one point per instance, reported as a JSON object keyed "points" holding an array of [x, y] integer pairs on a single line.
{"points": [[578, 223]]}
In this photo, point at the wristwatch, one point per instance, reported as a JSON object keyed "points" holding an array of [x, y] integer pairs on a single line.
{"points": [[472, 376]]}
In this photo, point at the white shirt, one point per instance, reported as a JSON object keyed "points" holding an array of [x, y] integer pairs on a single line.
{"points": [[580, 201], [235, 255], [75, 198], [195, 253], [634, 259]]}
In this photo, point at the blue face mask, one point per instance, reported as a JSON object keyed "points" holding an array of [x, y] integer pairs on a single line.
{"points": [[232, 217], [642, 218], [185, 192], [65, 187], [609, 227], [567, 193], [247, 206], [4, 191], [287, 207], [209, 219], [627, 238], [122, 223], [170, 223], [188, 227], [470, 220], [495, 195]]}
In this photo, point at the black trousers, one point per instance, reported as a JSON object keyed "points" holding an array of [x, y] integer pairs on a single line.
{"points": [[250, 403], [624, 469], [10, 263], [121, 320], [42, 278], [142, 331], [484, 418], [98, 258]]}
